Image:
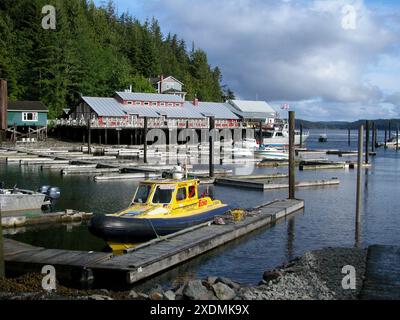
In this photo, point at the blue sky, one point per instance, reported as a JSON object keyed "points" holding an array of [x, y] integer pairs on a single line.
{"points": [[300, 52]]}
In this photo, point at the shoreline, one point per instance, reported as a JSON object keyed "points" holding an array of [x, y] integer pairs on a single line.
{"points": [[317, 275]]}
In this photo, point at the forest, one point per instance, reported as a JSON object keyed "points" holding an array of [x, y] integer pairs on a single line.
{"points": [[94, 51]]}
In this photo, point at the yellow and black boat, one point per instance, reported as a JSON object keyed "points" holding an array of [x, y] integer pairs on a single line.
{"points": [[159, 208]]}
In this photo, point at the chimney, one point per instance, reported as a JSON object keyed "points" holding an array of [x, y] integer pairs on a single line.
{"points": [[161, 81], [3, 106], [196, 102]]}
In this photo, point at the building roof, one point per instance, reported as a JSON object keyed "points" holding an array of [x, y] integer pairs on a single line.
{"points": [[27, 106], [169, 112], [105, 107], [218, 110], [135, 96], [251, 109]]}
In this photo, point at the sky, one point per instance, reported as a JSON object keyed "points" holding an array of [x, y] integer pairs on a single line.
{"points": [[328, 59]]}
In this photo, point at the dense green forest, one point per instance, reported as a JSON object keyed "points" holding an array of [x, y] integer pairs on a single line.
{"points": [[94, 52]]}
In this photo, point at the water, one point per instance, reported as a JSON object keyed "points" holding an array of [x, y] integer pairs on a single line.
{"points": [[328, 218]]}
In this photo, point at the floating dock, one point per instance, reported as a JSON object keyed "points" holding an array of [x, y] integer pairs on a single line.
{"points": [[148, 259]]}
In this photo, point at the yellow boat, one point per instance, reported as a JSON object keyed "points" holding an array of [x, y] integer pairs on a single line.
{"points": [[159, 208]]}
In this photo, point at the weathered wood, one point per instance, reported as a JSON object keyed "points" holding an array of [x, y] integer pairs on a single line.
{"points": [[2, 269]]}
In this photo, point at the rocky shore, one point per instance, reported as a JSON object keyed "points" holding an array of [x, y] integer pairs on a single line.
{"points": [[317, 275]]}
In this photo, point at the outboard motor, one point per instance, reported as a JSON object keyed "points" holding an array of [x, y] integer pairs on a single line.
{"points": [[53, 193], [44, 189]]}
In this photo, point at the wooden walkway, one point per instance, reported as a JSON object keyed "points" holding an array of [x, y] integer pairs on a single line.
{"points": [[382, 278], [148, 259]]}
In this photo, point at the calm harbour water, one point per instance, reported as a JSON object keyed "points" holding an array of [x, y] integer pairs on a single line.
{"points": [[328, 218]]}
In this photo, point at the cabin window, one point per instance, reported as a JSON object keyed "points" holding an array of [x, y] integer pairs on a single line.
{"points": [[170, 104], [177, 104], [192, 192], [138, 103], [129, 102], [162, 104], [146, 103], [142, 194], [154, 104], [181, 194], [163, 195], [279, 134], [29, 116]]}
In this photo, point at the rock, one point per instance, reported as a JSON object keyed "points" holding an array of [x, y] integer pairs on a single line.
{"points": [[99, 297], [179, 291], [156, 296], [143, 296], [271, 275], [195, 290], [229, 282], [169, 295], [223, 292], [211, 280], [133, 294]]}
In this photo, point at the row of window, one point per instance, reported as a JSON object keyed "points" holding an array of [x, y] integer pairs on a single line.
{"points": [[155, 104], [163, 195], [29, 116]]}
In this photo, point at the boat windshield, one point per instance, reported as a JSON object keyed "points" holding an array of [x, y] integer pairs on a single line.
{"points": [[267, 134], [163, 194], [142, 194]]}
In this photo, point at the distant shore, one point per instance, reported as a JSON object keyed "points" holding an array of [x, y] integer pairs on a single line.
{"points": [[316, 275]]}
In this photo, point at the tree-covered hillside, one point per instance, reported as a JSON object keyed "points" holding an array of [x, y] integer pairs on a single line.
{"points": [[93, 52]]}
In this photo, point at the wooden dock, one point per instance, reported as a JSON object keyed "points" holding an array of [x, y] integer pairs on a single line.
{"points": [[148, 259]]}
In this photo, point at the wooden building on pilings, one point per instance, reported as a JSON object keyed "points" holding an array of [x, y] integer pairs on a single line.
{"points": [[120, 119]]}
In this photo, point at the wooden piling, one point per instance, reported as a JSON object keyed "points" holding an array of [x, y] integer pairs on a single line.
{"points": [[349, 136], [131, 138], [119, 136], [390, 129], [89, 137], [145, 141], [105, 136], [292, 164], [385, 137], [359, 176], [211, 147], [373, 144], [367, 142], [2, 267], [301, 135], [397, 138]]}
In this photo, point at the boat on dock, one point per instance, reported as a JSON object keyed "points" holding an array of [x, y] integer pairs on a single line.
{"points": [[16, 199], [270, 153], [159, 208]]}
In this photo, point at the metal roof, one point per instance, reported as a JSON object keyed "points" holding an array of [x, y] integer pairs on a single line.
{"points": [[27, 106], [219, 110], [136, 96], [140, 111], [251, 109], [105, 107]]}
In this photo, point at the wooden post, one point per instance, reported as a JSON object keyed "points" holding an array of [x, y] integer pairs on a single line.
{"points": [[390, 129], [145, 141], [367, 142], [349, 136], [397, 139], [105, 136], [292, 166], [99, 136], [261, 133], [131, 138], [119, 136], [301, 135], [359, 176], [373, 144], [385, 137], [2, 267], [211, 147], [89, 137]]}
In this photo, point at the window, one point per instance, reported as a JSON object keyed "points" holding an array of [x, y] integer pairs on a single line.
{"points": [[29, 116], [146, 103], [129, 102], [142, 194], [177, 104], [170, 104], [192, 192], [181, 194], [138, 103], [162, 104], [163, 194], [154, 104]]}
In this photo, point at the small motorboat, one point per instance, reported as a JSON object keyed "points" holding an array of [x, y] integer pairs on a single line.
{"points": [[159, 208], [269, 153], [323, 138]]}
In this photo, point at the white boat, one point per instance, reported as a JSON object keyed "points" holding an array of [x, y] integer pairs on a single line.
{"points": [[280, 136], [19, 200], [269, 153], [392, 143]]}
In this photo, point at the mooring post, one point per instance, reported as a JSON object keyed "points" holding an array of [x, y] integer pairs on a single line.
{"points": [[105, 136], [131, 138], [2, 266], [261, 132], [145, 141], [385, 137], [359, 177], [367, 142], [397, 138], [119, 136], [301, 135], [99, 137], [349, 136], [89, 137], [292, 166], [373, 145], [390, 129], [211, 139]]}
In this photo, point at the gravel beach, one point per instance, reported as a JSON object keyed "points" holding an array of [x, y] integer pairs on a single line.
{"points": [[316, 275]]}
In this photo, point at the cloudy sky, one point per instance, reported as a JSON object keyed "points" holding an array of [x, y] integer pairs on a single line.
{"points": [[329, 59]]}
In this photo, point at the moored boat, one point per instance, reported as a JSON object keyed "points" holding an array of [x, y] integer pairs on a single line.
{"points": [[323, 138], [270, 153], [159, 208]]}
